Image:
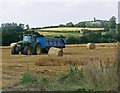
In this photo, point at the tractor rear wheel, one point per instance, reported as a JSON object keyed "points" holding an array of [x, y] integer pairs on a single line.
{"points": [[13, 50], [27, 50], [37, 50]]}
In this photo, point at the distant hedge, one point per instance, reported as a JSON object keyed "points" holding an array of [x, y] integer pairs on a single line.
{"points": [[94, 37]]}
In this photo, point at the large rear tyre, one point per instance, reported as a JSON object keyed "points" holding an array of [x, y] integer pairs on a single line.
{"points": [[13, 50], [27, 50], [37, 50]]}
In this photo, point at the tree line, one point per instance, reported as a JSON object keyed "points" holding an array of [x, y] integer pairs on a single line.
{"points": [[111, 24], [93, 37], [11, 32]]}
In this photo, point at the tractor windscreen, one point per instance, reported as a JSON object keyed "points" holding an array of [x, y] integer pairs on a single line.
{"points": [[27, 38]]}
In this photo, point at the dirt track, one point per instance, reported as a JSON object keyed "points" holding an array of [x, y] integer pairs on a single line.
{"points": [[13, 66]]}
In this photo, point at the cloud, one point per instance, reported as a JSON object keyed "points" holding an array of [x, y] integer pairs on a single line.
{"points": [[47, 13], [71, 4]]}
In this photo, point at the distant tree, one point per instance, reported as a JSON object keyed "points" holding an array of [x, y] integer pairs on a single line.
{"points": [[21, 26], [112, 22], [9, 37], [105, 25], [71, 40], [53, 26], [112, 32], [84, 39], [11, 32], [88, 24], [61, 25], [94, 37], [69, 24], [80, 24], [27, 27], [12, 27]]}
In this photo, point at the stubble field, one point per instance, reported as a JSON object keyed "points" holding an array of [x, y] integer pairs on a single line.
{"points": [[14, 66]]}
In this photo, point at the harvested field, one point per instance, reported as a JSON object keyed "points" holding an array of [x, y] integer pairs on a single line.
{"points": [[13, 66], [69, 29]]}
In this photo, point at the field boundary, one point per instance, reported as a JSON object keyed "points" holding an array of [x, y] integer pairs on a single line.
{"points": [[78, 45], [97, 44]]}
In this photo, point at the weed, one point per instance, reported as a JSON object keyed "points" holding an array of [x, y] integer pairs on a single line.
{"points": [[27, 78], [73, 76], [87, 79]]}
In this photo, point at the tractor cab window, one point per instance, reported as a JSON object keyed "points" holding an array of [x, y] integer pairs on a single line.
{"points": [[27, 38]]}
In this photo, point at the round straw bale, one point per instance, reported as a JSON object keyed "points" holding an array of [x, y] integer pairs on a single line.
{"points": [[118, 45], [90, 46], [12, 44], [55, 52]]}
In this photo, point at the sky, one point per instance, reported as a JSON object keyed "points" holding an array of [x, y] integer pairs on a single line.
{"points": [[39, 13]]}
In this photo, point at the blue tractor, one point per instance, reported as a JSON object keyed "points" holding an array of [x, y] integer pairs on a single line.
{"points": [[32, 44]]}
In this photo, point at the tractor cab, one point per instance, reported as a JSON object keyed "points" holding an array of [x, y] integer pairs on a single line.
{"points": [[29, 38]]}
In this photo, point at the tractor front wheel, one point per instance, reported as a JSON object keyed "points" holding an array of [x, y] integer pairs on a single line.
{"points": [[27, 50], [13, 50]]}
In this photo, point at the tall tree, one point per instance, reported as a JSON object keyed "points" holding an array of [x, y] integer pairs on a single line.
{"points": [[61, 25], [112, 22], [69, 24], [80, 24]]}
